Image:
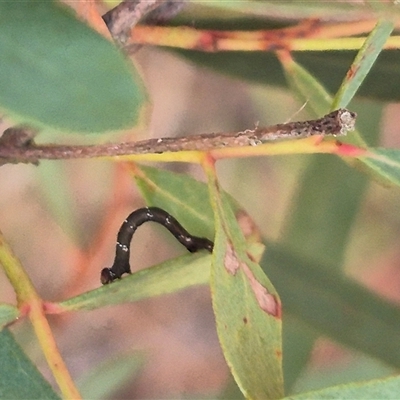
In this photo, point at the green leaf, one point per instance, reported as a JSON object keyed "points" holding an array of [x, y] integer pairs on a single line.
{"points": [[363, 63], [179, 194], [247, 308], [305, 85], [376, 389], [316, 224], [168, 277], [358, 367], [292, 10], [322, 213], [188, 201], [8, 313], [332, 304], [330, 68], [110, 376], [58, 73], [323, 209], [327, 67], [19, 378], [249, 335], [384, 164], [381, 164], [231, 391]]}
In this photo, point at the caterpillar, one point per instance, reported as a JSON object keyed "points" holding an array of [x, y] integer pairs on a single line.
{"points": [[133, 221]]}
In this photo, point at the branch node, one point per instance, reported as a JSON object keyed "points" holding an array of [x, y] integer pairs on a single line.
{"points": [[20, 137]]}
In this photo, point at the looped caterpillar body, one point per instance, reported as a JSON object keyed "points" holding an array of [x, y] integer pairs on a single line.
{"points": [[133, 221]]}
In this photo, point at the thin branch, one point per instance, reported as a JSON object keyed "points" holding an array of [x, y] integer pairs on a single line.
{"points": [[122, 18], [166, 11], [126, 15], [16, 147], [29, 300]]}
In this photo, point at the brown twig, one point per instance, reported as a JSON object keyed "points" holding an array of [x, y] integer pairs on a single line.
{"points": [[336, 123], [122, 18], [126, 15], [164, 12]]}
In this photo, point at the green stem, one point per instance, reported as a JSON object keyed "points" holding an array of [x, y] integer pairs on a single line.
{"points": [[29, 300]]}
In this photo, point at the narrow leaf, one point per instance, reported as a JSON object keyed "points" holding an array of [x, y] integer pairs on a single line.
{"points": [[315, 224], [107, 378], [376, 389], [324, 179], [188, 200], [310, 90], [179, 194], [286, 10], [363, 63], [306, 87], [168, 277], [328, 67], [334, 305], [247, 308], [384, 164]]}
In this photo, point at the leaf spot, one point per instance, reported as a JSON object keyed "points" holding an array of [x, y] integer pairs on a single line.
{"points": [[247, 225], [231, 261], [265, 300]]}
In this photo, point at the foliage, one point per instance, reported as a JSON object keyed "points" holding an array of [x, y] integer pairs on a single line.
{"points": [[49, 83]]}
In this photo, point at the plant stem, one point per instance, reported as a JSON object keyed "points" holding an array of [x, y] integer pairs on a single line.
{"points": [[29, 301], [336, 123], [311, 37]]}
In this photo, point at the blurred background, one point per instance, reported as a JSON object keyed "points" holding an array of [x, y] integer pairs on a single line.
{"points": [[61, 219]]}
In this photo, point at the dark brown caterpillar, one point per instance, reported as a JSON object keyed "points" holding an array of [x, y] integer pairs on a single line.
{"points": [[121, 262]]}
